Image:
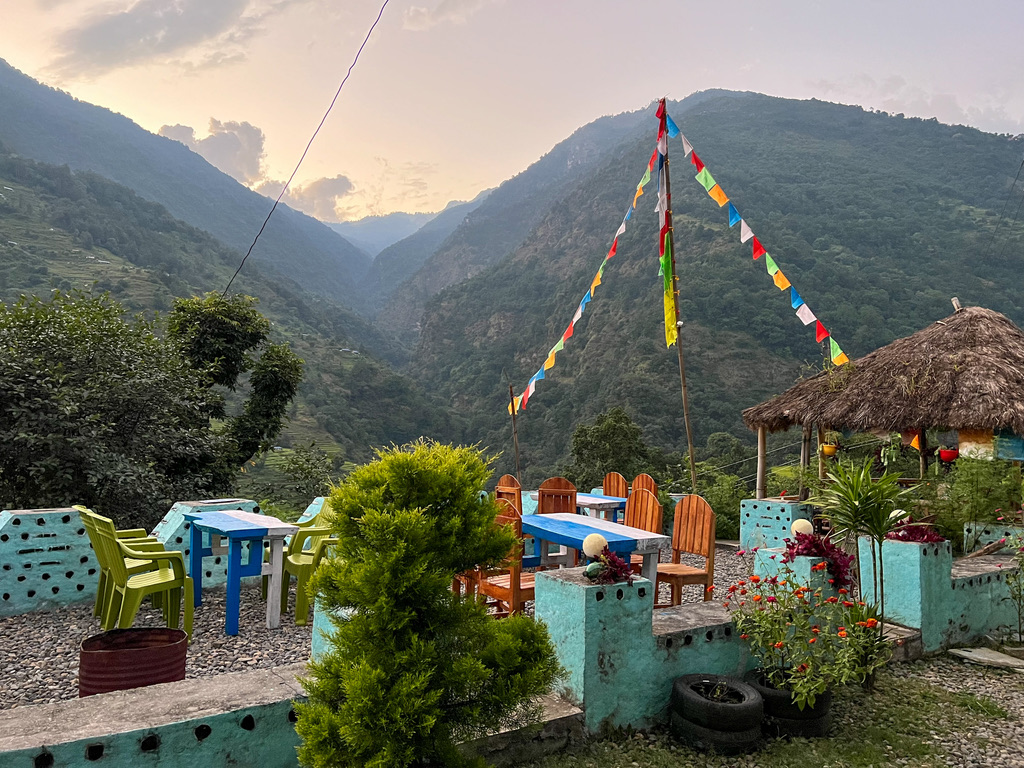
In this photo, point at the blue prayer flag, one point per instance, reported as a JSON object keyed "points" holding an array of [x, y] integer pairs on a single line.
{"points": [[734, 215], [673, 130], [539, 374], [794, 298], [586, 300]]}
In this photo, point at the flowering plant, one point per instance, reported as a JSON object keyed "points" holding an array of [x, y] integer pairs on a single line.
{"points": [[837, 561], [805, 643], [912, 530]]}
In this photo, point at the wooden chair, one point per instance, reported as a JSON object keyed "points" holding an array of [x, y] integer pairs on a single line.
{"points": [[643, 510], [557, 495], [508, 488], [507, 588], [644, 482], [615, 485], [693, 532]]}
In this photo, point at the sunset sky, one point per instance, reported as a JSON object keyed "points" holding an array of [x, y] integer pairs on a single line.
{"points": [[453, 96]]}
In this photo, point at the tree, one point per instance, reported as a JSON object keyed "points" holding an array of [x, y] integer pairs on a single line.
{"points": [[97, 409], [613, 443], [414, 669]]}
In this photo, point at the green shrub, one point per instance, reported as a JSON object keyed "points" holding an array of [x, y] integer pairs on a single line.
{"points": [[412, 668]]}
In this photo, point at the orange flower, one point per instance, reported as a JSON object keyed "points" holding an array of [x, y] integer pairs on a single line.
{"points": [[844, 591], [779, 644], [755, 579], [819, 566], [756, 598], [842, 633], [744, 637], [872, 623], [815, 630], [813, 640]]}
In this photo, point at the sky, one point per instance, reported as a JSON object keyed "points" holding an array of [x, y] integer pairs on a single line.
{"points": [[451, 97]]}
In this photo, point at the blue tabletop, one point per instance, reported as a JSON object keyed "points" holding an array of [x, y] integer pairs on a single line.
{"points": [[571, 533], [226, 524]]}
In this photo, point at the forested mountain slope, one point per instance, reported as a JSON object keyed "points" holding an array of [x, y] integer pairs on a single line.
{"points": [[373, 234], [60, 229], [51, 126], [877, 221]]}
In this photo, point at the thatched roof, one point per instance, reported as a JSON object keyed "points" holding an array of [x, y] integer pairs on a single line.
{"points": [[964, 372]]}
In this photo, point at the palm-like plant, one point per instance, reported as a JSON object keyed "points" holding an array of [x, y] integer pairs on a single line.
{"points": [[858, 505]]}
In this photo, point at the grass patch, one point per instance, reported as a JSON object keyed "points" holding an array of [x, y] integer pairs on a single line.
{"points": [[898, 723]]}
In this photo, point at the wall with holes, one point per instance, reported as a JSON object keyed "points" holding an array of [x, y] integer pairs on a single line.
{"points": [[620, 655], [45, 560], [767, 522], [173, 532]]}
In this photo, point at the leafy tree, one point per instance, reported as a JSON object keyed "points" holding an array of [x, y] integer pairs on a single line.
{"points": [[97, 409], [613, 443], [414, 669]]}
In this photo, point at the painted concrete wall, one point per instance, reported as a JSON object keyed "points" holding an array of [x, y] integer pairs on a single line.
{"points": [[46, 561], [620, 655], [976, 536], [950, 605], [768, 522]]}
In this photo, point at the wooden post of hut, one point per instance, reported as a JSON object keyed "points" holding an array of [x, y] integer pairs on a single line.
{"points": [[805, 459], [762, 461], [821, 456], [923, 441]]}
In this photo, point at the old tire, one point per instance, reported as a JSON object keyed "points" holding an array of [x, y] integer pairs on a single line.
{"points": [[779, 703], [742, 715], [707, 739]]}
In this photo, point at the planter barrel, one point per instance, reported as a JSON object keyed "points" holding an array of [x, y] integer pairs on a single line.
{"points": [[131, 658]]}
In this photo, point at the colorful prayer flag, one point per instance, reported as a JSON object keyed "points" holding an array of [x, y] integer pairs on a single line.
{"points": [[745, 231], [780, 280], [734, 216], [718, 195], [820, 332], [696, 162], [838, 356], [706, 179], [769, 262], [806, 316], [794, 299], [550, 361], [673, 129], [687, 146]]}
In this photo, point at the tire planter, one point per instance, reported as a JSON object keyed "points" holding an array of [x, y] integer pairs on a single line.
{"points": [[782, 717], [727, 725], [131, 658]]}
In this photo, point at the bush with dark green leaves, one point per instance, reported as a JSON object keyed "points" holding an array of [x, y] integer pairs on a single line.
{"points": [[414, 669]]}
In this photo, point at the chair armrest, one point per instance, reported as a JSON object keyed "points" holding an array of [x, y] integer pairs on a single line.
{"points": [[175, 558], [133, 533], [295, 545], [321, 550]]}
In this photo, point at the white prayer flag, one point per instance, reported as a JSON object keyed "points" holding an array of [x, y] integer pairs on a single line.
{"points": [[745, 231], [805, 314]]}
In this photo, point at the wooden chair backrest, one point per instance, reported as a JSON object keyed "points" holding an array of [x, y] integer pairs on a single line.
{"points": [[643, 510], [508, 488], [556, 495], [615, 485], [693, 531], [509, 515], [645, 482]]}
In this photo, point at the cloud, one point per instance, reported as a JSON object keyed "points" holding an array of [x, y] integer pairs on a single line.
{"points": [[321, 199], [418, 18], [127, 33], [235, 148]]}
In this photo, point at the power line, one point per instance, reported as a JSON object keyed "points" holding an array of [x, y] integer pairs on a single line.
{"points": [[308, 145], [1002, 212]]}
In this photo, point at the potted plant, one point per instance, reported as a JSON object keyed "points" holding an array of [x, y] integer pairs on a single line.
{"points": [[837, 562], [1014, 643], [948, 455], [714, 712], [831, 442]]}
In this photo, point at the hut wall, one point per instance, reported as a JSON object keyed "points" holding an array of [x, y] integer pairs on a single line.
{"points": [[978, 443]]}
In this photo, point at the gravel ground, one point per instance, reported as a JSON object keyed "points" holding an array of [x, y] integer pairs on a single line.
{"points": [[39, 651]]}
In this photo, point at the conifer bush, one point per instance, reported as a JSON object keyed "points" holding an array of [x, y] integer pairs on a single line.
{"points": [[413, 669]]}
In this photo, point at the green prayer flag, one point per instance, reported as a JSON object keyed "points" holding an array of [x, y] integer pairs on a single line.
{"points": [[646, 178], [770, 263], [558, 347], [706, 179], [835, 348]]}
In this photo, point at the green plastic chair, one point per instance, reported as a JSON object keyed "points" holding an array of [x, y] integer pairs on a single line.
{"points": [[304, 553], [136, 537], [167, 577]]}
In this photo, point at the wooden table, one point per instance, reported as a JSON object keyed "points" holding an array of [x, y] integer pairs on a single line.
{"points": [[608, 506], [570, 530], [238, 526]]}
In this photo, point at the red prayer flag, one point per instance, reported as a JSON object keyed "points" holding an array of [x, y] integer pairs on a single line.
{"points": [[820, 334], [568, 333], [661, 109], [696, 162], [759, 251], [611, 251]]}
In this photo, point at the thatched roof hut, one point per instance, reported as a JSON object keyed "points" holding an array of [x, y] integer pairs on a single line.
{"points": [[965, 372]]}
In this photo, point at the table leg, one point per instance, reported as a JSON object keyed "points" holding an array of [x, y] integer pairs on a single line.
{"points": [[195, 562], [650, 566], [274, 583], [234, 586]]}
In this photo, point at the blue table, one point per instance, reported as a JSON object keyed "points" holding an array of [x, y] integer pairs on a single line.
{"points": [[570, 531], [238, 527], [609, 506]]}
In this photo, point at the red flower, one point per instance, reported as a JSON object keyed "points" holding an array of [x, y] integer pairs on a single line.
{"points": [[813, 640], [842, 633], [744, 637], [779, 644], [832, 600], [844, 591]]}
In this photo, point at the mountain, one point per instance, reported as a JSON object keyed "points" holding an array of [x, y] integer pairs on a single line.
{"points": [[64, 229], [877, 220], [503, 220], [397, 263], [51, 126], [375, 233]]}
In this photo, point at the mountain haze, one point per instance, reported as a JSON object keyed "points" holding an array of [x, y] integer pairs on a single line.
{"points": [[51, 126], [373, 234], [877, 221]]}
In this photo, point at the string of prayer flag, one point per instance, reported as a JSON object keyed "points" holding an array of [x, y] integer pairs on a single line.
{"points": [[715, 191], [549, 362], [665, 267]]}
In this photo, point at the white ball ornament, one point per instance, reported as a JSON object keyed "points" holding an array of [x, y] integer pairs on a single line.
{"points": [[802, 526], [594, 545]]}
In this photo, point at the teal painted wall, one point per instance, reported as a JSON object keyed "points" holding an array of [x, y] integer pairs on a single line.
{"points": [[618, 671], [920, 592], [270, 742], [768, 522], [46, 561], [976, 536]]}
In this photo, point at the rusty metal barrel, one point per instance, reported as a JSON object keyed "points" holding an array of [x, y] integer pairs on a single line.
{"points": [[131, 658]]}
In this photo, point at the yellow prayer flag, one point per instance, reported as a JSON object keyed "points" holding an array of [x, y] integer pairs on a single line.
{"points": [[639, 191], [780, 281], [718, 195], [671, 334], [550, 361], [595, 283], [840, 359]]}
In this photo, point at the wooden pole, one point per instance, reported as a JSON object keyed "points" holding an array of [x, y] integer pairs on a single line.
{"points": [[821, 456], [515, 433], [805, 458], [924, 456], [679, 324], [762, 461]]}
